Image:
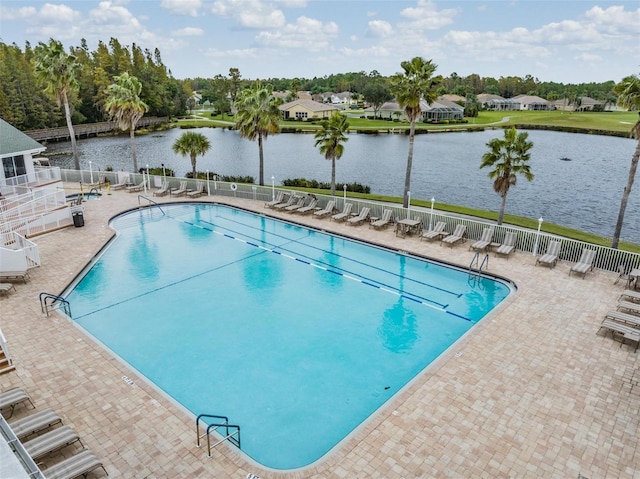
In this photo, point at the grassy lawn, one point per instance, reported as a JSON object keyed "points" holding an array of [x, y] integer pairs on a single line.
{"points": [[618, 121]]}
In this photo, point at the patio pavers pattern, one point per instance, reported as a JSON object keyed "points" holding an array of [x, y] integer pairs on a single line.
{"points": [[532, 391]]}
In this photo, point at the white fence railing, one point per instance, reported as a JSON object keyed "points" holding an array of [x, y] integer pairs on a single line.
{"points": [[17, 253], [23, 183], [607, 259]]}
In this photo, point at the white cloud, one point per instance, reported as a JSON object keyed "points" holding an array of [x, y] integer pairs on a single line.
{"points": [[307, 33], [58, 13], [370, 52], [427, 16], [250, 13], [22, 13], [238, 53], [379, 28], [589, 58], [292, 3], [182, 7], [615, 19], [188, 32]]}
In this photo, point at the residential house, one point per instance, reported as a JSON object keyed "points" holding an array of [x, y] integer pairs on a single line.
{"points": [[497, 103], [306, 110], [439, 110], [532, 102]]}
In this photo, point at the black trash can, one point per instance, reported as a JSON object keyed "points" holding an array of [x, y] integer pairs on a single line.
{"points": [[78, 219]]}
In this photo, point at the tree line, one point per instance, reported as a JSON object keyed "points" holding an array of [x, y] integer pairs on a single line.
{"points": [[25, 104]]}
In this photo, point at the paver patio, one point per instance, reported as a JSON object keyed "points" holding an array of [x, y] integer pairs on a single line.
{"points": [[533, 391]]}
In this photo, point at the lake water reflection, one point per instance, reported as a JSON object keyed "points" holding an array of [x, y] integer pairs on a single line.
{"points": [[583, 193]]}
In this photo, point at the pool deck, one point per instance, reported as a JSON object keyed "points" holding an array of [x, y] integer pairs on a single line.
{"points": [[533, 391]]}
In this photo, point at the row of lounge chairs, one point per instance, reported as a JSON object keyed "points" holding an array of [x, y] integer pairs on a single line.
{"points": [[624, 321], [43, 433]]}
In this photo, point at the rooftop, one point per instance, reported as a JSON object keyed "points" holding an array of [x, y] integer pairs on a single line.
{"points": [[532, 391]]}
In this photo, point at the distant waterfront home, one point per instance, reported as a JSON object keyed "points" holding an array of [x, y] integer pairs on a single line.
{"points": [[583, 103], [531, 102], [497, 103], [306, 110], [439, 110]]}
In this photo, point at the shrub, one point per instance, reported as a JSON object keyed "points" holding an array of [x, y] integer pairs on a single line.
{"points": [[305, 183]]}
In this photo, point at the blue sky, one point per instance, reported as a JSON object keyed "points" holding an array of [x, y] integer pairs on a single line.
{"points": [[560, 41]]}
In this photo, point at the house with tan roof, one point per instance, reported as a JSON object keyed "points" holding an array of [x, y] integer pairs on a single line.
{"points": [[304, 110], [532, 102]]}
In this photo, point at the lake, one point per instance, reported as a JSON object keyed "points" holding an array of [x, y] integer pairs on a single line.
{"points": [[583, 193]]}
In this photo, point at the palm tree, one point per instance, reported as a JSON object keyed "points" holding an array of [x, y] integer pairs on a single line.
{"points": [[628, 91], [330, 139], [57, 71], [124, 106], [192, 144], [509, 157], [416, 84], [257, 116]]}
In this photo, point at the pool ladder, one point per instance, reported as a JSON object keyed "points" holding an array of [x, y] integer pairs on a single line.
{"points": [[233, 437], [476, 260], [45, 306]]}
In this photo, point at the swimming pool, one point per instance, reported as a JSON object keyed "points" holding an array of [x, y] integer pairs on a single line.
{"points": [[296, 335]]}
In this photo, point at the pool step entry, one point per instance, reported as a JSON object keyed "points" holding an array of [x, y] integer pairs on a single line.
{"points": [[231, 431]]}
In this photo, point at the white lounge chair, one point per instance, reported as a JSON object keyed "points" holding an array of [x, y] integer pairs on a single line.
{"points": [[292, 199], [630, 294], [123, 182], [435, 233], [550, 258], [295, 206], [6, 287], [508, 245], [182, 189], [456, 237], [483, 243], [344, 214], [136, 188], [163, 190], [585, 263], [21, 275], [35, 422], [307, 209], [11, 398], [326, 211], [199, 191], [51, 441], [361, 218], [77, 465], [276, 200], [383, 222]]}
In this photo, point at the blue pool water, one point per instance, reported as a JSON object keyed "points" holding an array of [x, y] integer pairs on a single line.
{"points": [[296, 335]]}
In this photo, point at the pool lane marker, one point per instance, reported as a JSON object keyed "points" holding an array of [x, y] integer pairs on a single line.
{"points": [[432, 305], [297, 241]]}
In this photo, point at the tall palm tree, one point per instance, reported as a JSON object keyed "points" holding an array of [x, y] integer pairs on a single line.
{"points": [[124, 106], [330, 141], [628, 91], [416, 84], [192, 144], [58, 71], [258, 116], [509, 157]]}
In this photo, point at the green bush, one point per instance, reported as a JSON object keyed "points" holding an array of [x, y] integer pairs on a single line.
{"points": [[319, 185]]}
